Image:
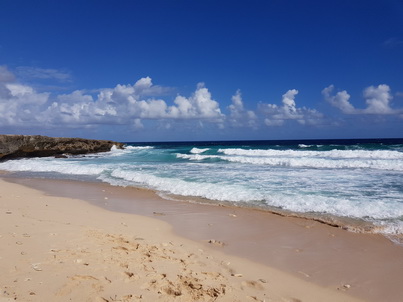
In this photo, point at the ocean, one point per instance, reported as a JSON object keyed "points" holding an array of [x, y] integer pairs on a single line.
{"points": [[355, 184]]}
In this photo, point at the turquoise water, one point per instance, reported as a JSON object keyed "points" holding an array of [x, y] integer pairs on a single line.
{"points": [[357, 179]]}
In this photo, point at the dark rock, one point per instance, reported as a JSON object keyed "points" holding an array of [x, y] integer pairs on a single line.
{"points": [[15, 146]]}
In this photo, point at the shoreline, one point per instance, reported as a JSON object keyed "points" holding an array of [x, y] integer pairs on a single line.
{"points": [[304, 249], [354, 225]]}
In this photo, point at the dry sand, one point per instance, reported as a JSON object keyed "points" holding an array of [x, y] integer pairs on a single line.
{"points": [[64, 249]]}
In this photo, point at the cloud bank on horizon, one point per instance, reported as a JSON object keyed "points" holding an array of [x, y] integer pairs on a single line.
{"points": [[131, 105]]}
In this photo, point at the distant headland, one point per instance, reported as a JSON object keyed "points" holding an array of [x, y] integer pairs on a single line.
{"points": [[16, 146]]}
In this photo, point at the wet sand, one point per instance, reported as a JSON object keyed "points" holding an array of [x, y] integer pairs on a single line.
{"points": [[256, 255]]}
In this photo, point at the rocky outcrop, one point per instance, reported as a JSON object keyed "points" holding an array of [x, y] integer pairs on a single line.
{"points": [[14, 146]]}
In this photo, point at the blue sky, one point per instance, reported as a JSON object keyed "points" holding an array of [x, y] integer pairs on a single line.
{"points": [[202, 70]]}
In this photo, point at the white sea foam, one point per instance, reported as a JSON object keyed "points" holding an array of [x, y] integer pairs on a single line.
{"points": [[198, 150], [113, 152], [298, 160], [320, 163], [197, 156], [296, 202], [118, 152], [338, 206], [333, 154], [139, 147], [51, 165], [392, 229], [185, 188]]}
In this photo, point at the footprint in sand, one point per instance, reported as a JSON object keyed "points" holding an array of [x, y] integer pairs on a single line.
{"points": [[216, 242], [252, 284]]}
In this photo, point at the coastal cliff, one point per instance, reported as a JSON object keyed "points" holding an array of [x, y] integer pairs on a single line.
{"points": [[15, 146]]}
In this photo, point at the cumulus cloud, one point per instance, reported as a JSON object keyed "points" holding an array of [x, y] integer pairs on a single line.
{"points": [[277, 115], [239, 116], [200, 104], [124, 104], [18, 103], [139, 105], [377, 99], [340, 100]]}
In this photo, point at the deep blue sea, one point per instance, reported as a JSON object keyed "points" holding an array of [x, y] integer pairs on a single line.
{"points": [[354, 180]]}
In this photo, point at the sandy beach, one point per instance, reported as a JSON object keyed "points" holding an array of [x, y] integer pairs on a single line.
{"points": [[182, 151], [68, 241]]}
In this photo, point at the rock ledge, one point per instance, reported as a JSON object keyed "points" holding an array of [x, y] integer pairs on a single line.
{"points": [[15, 146]]}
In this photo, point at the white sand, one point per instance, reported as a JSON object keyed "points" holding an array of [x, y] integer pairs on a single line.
{"points": [[63, 249]]}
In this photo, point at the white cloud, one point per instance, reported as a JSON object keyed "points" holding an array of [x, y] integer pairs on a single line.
{"points": [[340, 100], [19, 104], [377, 99], [138, 105], [129, 103], [200, 104], [145, 87], [278, 115], [124, 104], [239, 116]]}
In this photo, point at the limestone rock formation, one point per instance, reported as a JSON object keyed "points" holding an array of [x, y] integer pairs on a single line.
{"points": [[14, 146]]}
